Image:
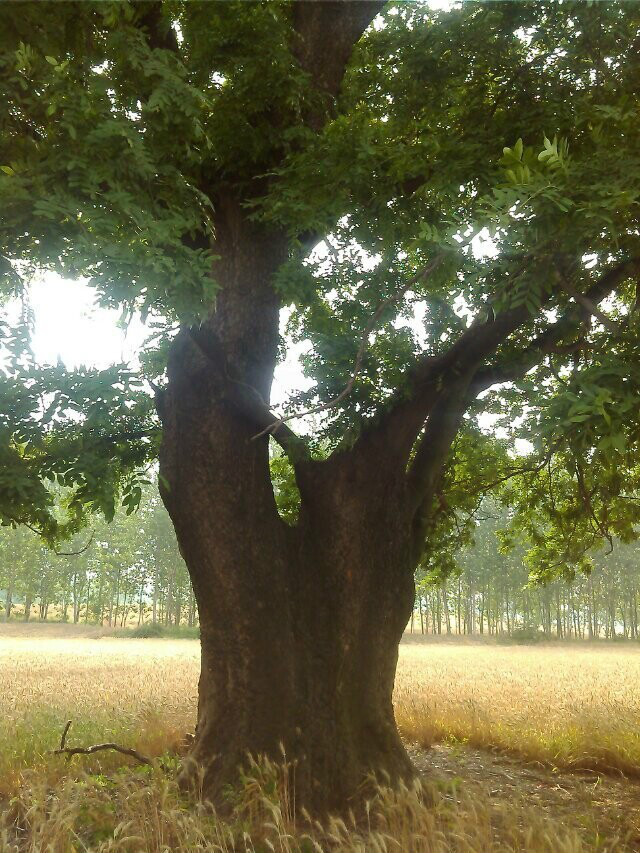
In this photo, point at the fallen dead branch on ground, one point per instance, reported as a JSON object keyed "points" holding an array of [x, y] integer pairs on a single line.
{"points": [[98, 747]]}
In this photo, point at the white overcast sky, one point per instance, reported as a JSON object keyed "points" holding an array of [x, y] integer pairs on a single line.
{"points": [[70, 327]]}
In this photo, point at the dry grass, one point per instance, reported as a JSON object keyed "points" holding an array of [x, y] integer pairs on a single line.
{"points": [[140, 692], [567, 706], [145, 813], [576, 706]]}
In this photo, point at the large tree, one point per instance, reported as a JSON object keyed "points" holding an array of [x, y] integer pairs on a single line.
{"points": [[208, 165]]}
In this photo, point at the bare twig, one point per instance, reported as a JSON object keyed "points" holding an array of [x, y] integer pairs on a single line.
{"points": [[514, 472], [74, 553], [364, 340], [63, 739], [98, 747], [510, 87], [586, 500]]}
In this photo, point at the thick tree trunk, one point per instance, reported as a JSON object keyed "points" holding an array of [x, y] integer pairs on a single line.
{"points": [[299, 631], [300, 625]]}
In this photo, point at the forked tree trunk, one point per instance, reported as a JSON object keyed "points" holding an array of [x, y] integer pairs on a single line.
{"points": [[299, 629], [300, 625]]}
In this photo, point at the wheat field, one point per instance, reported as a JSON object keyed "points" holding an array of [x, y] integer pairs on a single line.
{"points": [[570, 706], [576, 706]]}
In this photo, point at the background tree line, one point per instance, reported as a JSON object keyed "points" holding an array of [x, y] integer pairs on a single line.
{"points": [[130, 572], [490, 588]]}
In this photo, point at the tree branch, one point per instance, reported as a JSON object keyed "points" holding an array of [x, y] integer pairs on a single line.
{"points": [[327, 32], [514, 472], [447, 384], [588, 304], [160, 33], [441, 429], [43, 536], [586, 500], [98, 747], [547, 342], [245, 397], [74, 553]]}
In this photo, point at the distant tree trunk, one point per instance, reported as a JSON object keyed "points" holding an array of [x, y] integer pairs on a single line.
{"points": [[612, 619], [8, 604], [594, 609], [445, 607], [171, 596], [140, 600], [99, 604], [113, 609], [472, 610], [623, 617], [178, 610], [86, 605], [154, 597], [192, 607], [75, 599], [125, 611]]}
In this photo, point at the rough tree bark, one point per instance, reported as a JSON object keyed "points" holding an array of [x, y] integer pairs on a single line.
{"points": [[299, 626]]}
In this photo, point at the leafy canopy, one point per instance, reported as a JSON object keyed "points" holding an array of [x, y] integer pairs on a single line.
{"points": [[514, 121]]}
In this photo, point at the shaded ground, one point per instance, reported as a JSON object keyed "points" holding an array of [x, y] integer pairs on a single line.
{"points": [[603, 806]]}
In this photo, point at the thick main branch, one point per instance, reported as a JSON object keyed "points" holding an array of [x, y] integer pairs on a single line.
{"points": [[516, 366]]}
